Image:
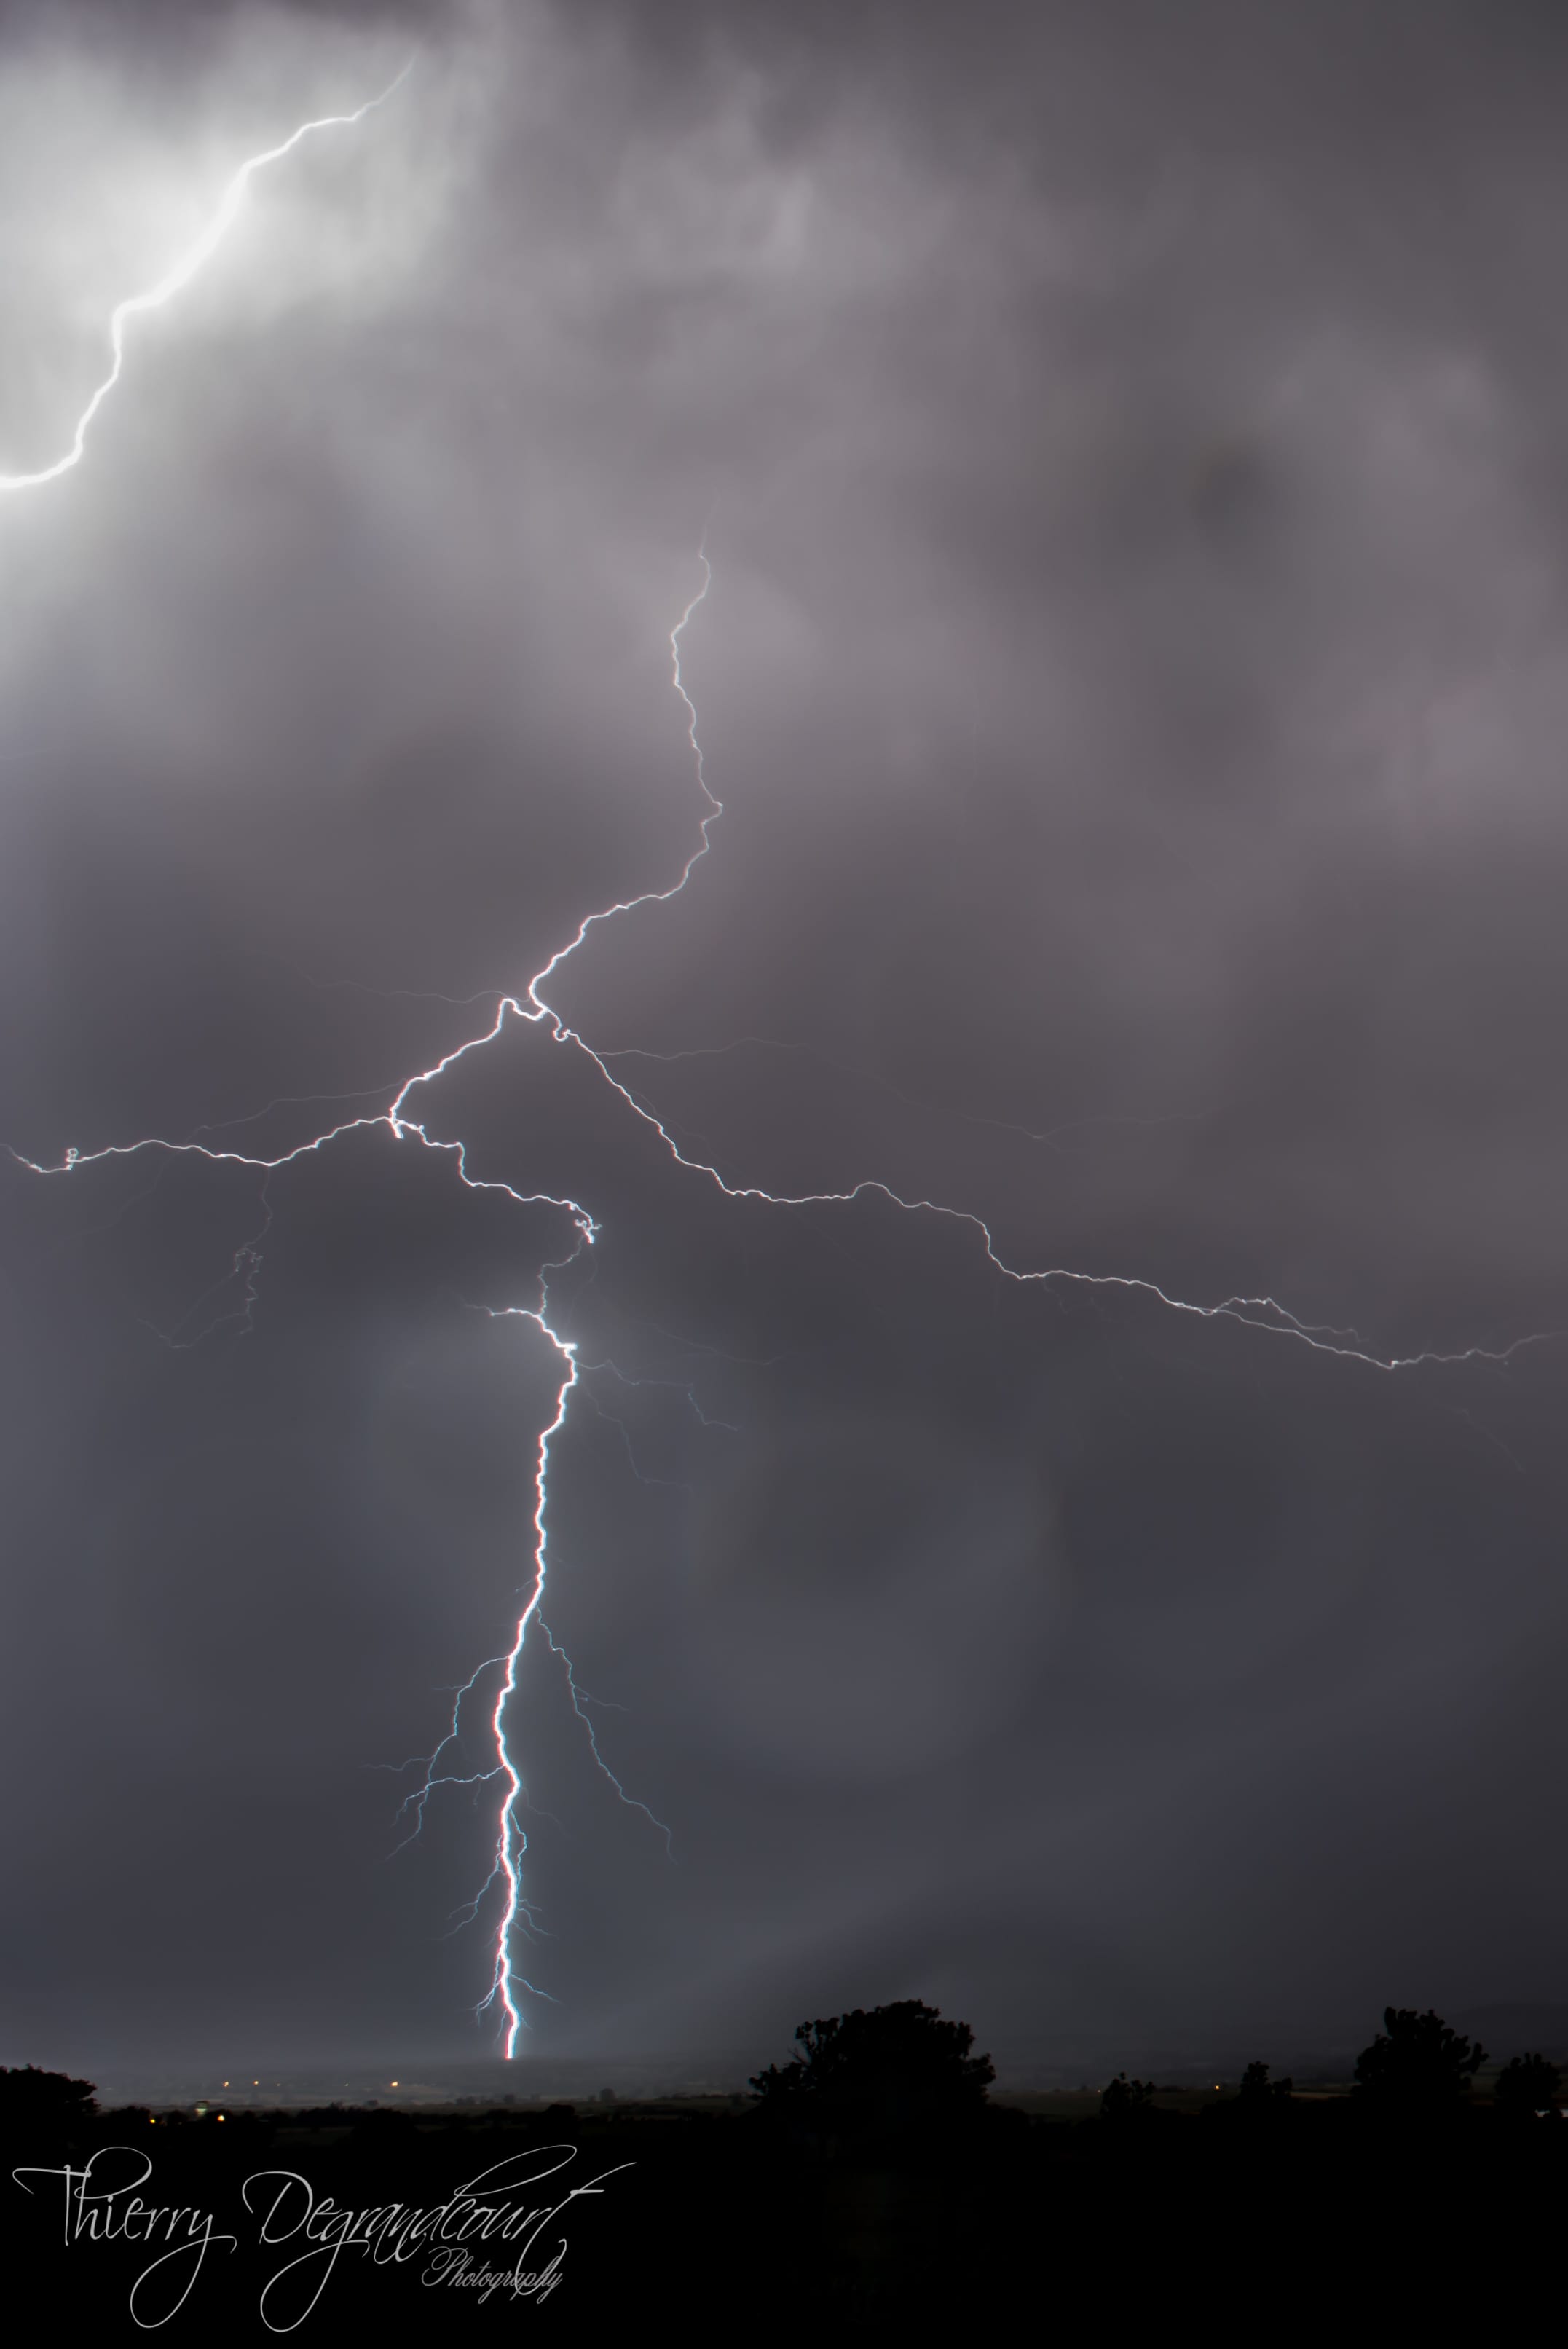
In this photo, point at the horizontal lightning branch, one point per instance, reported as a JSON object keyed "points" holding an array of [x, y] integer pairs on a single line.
{"points": [[1264, 1314]]}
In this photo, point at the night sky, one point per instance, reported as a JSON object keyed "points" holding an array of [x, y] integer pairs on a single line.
{"points": [[1132, 449]]}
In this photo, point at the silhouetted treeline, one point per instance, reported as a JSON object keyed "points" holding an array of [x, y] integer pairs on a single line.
{"points": [[876, 2178]]}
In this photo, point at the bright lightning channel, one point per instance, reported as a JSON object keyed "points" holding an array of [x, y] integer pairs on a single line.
{"points": [[178, 274], [511, 1838], [1261, 1313]]}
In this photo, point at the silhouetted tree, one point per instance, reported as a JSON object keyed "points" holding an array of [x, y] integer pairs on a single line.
{"points": [[1416, 2065], [895, 2066], [38, 2108], [1123, 2098], [1528, 2084], [29, 2095], [1257, 2091]]}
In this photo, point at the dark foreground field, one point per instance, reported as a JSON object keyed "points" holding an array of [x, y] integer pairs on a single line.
{"points": [[725, 2220]]}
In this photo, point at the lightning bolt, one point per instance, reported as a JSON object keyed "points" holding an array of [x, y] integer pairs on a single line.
{"points": [[502, 1770], [511, 1838], [178, 274], [1260, 1313]]}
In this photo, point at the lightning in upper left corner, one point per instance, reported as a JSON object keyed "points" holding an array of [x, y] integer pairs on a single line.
{"points": [[178, 274]]}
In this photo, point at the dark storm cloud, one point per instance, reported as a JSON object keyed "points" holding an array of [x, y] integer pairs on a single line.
{"points": [[1131, 457]]}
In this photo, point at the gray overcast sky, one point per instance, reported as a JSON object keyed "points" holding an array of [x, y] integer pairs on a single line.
{"points": [[1132, 447]]}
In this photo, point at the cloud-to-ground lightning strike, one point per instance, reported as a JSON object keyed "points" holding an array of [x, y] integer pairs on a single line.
{"points": [[502, 1768], [178, 275], [1263, 1314], [511, 1838]]}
